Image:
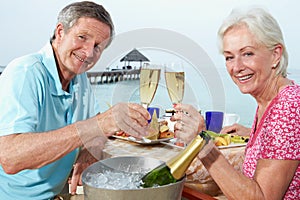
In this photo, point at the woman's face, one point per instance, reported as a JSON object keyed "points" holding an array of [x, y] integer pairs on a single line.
{"points": [[79, 48], [248, 63]]}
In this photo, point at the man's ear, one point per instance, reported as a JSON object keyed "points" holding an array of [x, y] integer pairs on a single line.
{"points": [[59, 31]]}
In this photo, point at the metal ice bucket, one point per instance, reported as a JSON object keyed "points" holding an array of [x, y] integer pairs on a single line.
{"points": [[168, 192]]}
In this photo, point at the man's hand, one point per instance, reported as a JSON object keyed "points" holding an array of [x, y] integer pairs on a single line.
{"points": [[84, 160], [129, 117]]}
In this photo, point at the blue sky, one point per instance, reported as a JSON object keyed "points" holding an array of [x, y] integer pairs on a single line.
{"points": [[27, 25]]}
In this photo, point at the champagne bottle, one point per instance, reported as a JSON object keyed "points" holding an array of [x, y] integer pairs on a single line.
{"points": [[175, 168]]}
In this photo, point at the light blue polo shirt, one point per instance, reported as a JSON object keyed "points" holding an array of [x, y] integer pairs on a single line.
{"points": [[32, 100]]}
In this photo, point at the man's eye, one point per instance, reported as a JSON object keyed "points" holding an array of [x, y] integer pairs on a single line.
{"points": [[98, 48], [81, 37]]}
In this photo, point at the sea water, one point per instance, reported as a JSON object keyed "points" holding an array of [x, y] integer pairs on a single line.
{"points": [[197, 93]]}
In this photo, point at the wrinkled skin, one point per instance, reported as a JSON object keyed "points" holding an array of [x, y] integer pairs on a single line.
{"points": [[189, 122]]}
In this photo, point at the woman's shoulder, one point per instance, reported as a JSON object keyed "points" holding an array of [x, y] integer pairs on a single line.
{"points": [[290, 93], [286, 104]]}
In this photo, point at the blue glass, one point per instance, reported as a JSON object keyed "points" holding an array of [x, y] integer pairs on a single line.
{"points": [[151, 111], [214, 120]]}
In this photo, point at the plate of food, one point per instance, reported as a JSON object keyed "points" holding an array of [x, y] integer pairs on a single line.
{"points": [[164, 135], [232, 145], [222, 141], [141, 141]]}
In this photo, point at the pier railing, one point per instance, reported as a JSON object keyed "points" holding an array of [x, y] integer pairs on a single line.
{"points": [[113, 76]]}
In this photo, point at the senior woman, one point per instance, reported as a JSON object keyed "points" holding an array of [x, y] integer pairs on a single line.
{"points": [[256, 59]]}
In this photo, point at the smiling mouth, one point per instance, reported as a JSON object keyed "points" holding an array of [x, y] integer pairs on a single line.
{"points": [[78, 57], [81, 59], [245, 78]]}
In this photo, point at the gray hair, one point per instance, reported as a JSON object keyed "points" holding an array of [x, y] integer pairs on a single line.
{"points": [[263, 26], [69, 15]]}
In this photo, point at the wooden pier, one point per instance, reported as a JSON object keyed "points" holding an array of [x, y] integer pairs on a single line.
{"points": [[113, 76]]}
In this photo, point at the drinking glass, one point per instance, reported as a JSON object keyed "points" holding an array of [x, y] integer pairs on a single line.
{"points": [[174, 75], [214, 120], [149, 78]]}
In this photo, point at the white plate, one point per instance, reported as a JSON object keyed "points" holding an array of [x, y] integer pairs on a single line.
{"points": [[141, 141], [232, 145]]}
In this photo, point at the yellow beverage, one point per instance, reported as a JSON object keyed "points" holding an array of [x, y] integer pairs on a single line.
{"points": [[175, 86], [149, 79]]}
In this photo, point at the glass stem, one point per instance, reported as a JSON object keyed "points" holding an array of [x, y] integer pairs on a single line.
{"points": [[145, 105]]}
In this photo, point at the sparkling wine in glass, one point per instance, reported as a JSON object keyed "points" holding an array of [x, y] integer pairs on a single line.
{"points": [[149, 78], [175, 85]]}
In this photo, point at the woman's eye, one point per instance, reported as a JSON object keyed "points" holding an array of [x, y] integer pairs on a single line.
{"points": [[248, 54], [228, 58]]}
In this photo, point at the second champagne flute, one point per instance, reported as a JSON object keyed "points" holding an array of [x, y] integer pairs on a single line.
{"points": [[175, 83]]}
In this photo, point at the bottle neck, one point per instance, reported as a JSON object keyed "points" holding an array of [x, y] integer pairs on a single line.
{"points": [[180, 163]]}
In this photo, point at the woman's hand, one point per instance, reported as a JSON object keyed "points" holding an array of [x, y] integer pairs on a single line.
{"points": [[189, 122], [236, 129]]}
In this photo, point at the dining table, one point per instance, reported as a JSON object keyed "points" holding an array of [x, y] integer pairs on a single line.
{"points": [[197, 177]]}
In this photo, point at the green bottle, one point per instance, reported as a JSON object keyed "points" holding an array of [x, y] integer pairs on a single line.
{"points": [[175, 168]]}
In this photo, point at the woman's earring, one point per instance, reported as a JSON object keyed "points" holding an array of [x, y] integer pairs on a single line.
{"points": [[274, 66]]}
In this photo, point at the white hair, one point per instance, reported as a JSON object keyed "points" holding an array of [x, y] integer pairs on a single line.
{"points": [[263, 26]]}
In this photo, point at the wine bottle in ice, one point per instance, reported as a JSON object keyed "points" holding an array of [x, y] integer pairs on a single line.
{"points": [[175, 168]]}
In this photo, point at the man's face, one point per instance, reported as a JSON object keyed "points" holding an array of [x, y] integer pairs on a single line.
{"points": [[79, 48]]}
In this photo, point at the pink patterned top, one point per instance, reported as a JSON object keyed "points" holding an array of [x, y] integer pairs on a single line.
{"points": [[277, 136]]}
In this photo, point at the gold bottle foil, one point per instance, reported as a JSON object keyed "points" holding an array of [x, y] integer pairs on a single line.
{"points": [[180, 163]]}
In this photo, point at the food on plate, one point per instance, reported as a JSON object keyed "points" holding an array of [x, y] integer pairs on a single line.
{"points": [[239, 139], [163, 122], [227, 139], [122, 134], [154, 128], [152, 136], [220, 141], [163, 128], [164, 132]]}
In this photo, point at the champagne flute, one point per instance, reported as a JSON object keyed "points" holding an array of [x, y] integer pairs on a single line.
{"points": [[175, 85], [149, 78]]}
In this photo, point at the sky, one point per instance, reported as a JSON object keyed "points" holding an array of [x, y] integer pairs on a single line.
{"points": [[163, 30], [28, 25]]}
